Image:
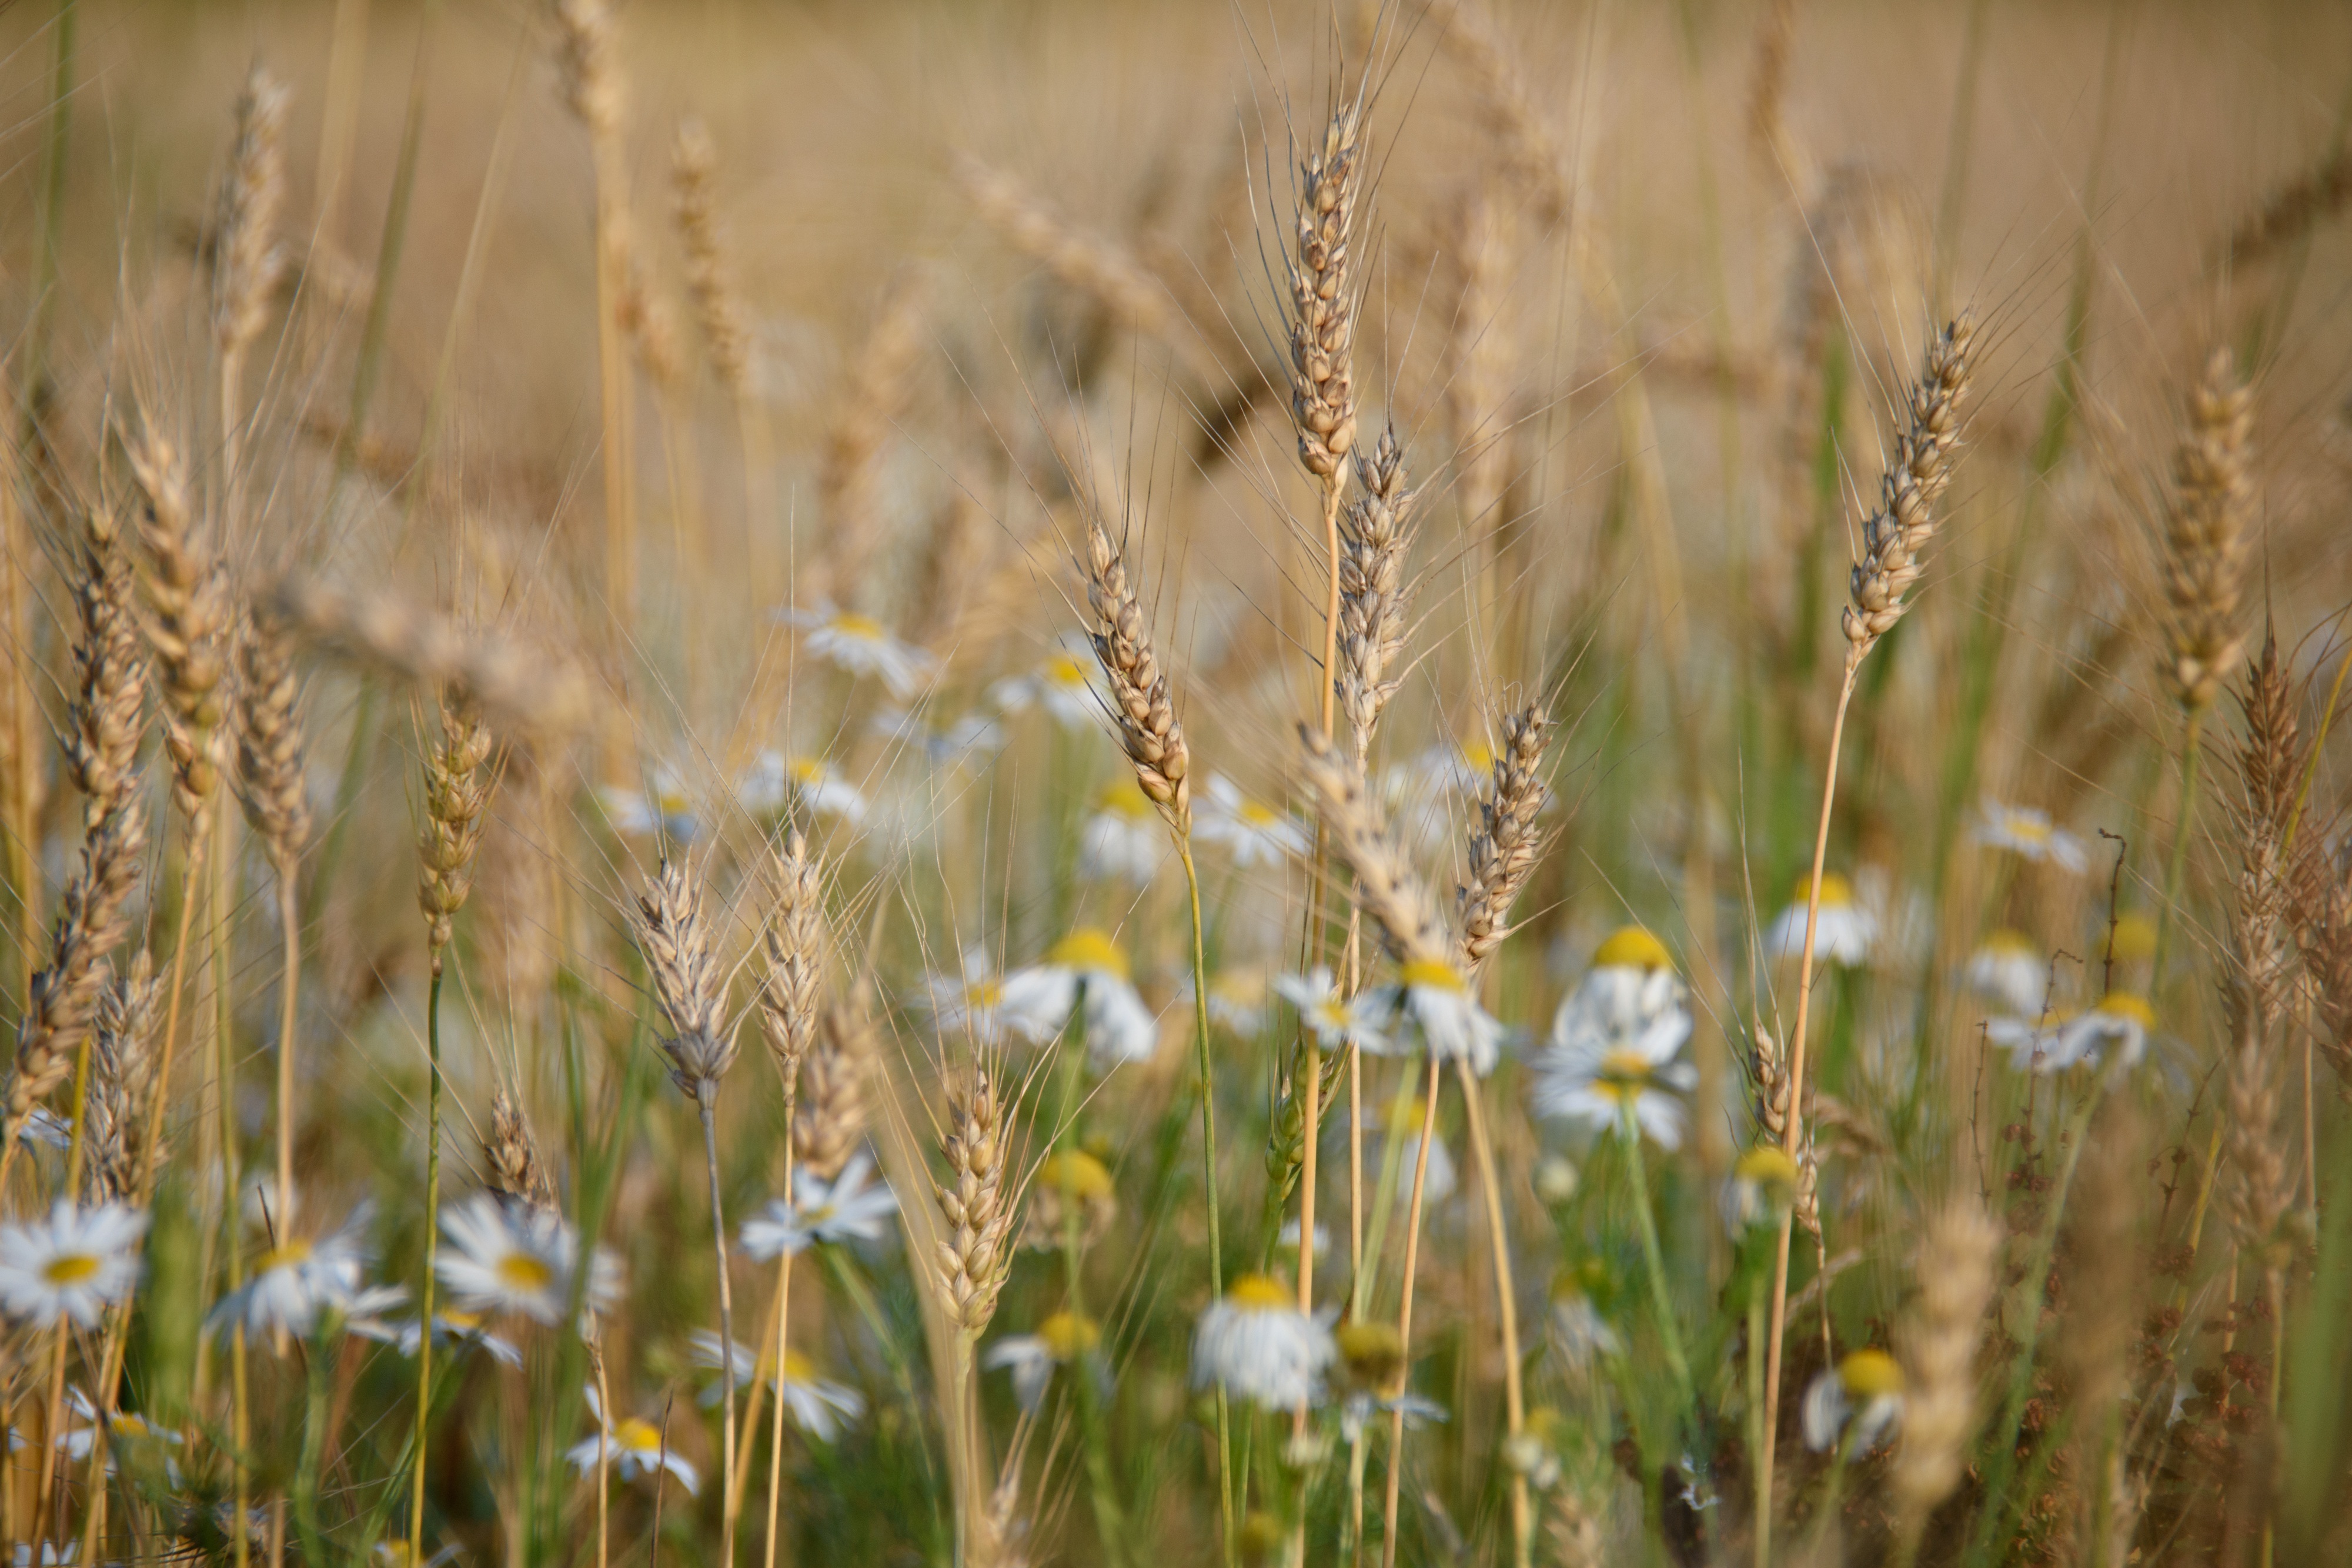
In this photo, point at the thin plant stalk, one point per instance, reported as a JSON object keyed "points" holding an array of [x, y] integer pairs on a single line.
{"points": [[432, 1247], [783, 1330], [289, 918], [1404, 1313], [1662, 1299], [703, 1102], [224, 1074], [1482, 1150], [2176, 866], [1209, 1180]]}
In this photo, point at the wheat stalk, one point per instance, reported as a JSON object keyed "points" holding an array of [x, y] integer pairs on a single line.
{"points": [[271, 785], [881, 380], [247, 259], [1376, 595], [1938, 1344]]}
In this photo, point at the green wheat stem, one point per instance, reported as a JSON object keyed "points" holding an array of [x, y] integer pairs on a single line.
{"points": [[1661, 1296], [2176, 868], [432, 1244], [1209, 1183]]}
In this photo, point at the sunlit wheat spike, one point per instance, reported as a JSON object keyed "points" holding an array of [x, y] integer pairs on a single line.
{"points": [[795, 946], [2293, 210], [584, 60], [1386, 885], [271, 779], [1895, 538], [187, 621], [676, 940], [1096, 265], [1768, 1067], [1532, 154], [2206, 538], [1938, 1344], [511, 1158], [1376, 595], [1767, 91], [122, 1079], [830, 1121], [702, 236], [1323, 288], [1147, 728], [2254, 977], [975, 1254], [105, 722], [643, 313], [246, 257], [1503, 850], [456, 801], [880, 379]]}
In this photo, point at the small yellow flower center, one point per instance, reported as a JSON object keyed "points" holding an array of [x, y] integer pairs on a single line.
{"points": [[809, 771], [1332, 1014], [71, 1269], [638, 1437], [1075, 1174], [2008, 943], [286, 1257], [1836, 892], [1258, 1293], [462, 1321], [1405, 1115], [2023, 825], [798, 1368], [1766, 1165], [849, 623], [1436, 974], [1259, 816], [1089, 951], [2126, 1006], [1868, 1373], [522, 1271], [1068, 1336], [2135, 939], [128, 1426], [671, 802], [1625, 1072], [1478, 757], [1066, 672], [1125, 798], [1631, 947], [985, 993]]}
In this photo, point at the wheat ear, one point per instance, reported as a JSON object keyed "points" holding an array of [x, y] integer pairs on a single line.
{"points": [[1504, 850], [247, 259], [1938, 1345], [274, 792]]}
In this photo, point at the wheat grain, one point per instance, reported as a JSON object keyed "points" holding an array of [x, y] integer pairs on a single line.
{"points": [[794, 942], [122, 1079], [702, 236], [584, 60], [1503, 850], [676, 943], [1095, 265], [511, 1158], [830, 1119], [2205, 538], [520, 684], [1149, 730], [246, 257], [457, 802], [1385, 883], [1323, 300], [271, 779], [2292, 210], [1895, 537], [2254, 981], [188, 619], [976, 1253], [1938, 1346], [1376, 595]]}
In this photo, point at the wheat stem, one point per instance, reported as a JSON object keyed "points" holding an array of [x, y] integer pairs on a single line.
{"points": [[1209, 1180], [432, 1247], [1404, 1313], [1515, 1405], [783, 1335]]}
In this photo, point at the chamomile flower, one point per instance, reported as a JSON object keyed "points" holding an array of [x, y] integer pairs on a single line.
{"points": [[1062, 1339], [1070, 1185], [74, 1264], [1860, 1399], [702, 1348], [661, 809], [775, 781], [971, 1003], [1843, 934], [2135, 939], [2007, 969], [852, 1207], [1064, 684], [1611, 1060], [1124, 840], [819, 1406], [861, 645], [1762, 1186], [1578, 1333], [966, 740], [454, 1327], [508, 1257], [2121, 1022], [1403, 1119], [297, 1280], [1286, 1239], [1431, 995], [1236, 1001], [1085, 972], [2025, 832], [1359, 1409], [1256, 1344], [1338, 1021], [634, 1448], [1254, 834], [126, 1434], [45, 1129]]}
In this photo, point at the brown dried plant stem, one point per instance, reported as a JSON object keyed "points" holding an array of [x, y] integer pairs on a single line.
{"points": [[1209, 1177], [1515, 1405], [1404, 1312]]}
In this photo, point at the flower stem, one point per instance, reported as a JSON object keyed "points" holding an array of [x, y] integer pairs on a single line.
{"points": [[783, 1330], [431, 1243], [705, 1090], [1404, 1316], [1515, 1410], [1662, 1298], [1209, 1185]]}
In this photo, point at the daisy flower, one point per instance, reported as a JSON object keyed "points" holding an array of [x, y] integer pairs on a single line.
{"points": [[1431, 995], [1611, 1060], [1578, 1333], [1287, 1237], [1336, 1020], [973, 1003], [1236, 1001], [1843, 934], [1124, 837], [124, 1433], [2135, 939], [501, 1257], [852, 1207], [1762, 1186], [1458, 770], [1860, 1399], [973, 735], [2025, 832], [1404, 1117], [661, 809], [2121, 1020], [2007, 969], [464, 1330], [74, 1264], [636, 1449], [775, 781], [1064, 685], [1069, 1182], [297, 1280], [1256, 1344], [1084, 971], [861, 645], [1031, 1358], [1254, 834], [1356, 1411], [45, 1129], [820, 1407]]}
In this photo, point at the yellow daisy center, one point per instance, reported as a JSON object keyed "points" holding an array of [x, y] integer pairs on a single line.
{"points": [[638, 1437], [1064, 671], [985, 993], [1068, 1336], [2135, 939], [286, 1257], [1257, 816], [798, 1368], [1332, 1014], [126, 1425], [2033, 829], [1836, 892], [1766, 1165], [1869, 1374], [1478, 757], [1405, 1115], [2008, 943], [1124, 797], [462, 1321], [1625, 1073], [848, 623], [522, 1271], [1074, 1173], [1091, 951], [1258, 1293], [2125, 1005], [71, 1269], [1436, 974], [1631, 947]]}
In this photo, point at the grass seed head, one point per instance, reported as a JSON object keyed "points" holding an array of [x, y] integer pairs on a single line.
{"points": [[1895, 538], [676, 941], [456, 802], [1147, 727], [702, 236], [1503, 850], [830, 1120], [270, 781], [975, 1253], [1323, 289], [2206, 538], [246, 257]]}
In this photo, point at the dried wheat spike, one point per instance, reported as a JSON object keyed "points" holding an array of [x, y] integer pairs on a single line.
{"points": [[526, 686], [457, 802], [2320, 895], [270, 781], [512, 1154], [1503, 851], [2293, 210], [643, 313], [2254, 989], [1768, 88], [1938, 1345], [1095, 266], [831, 1117], [702, 236], [881, 378], [975, 1254], [1375, 594], [1532, 154], [246, 257], [585, 58], [1386, 885], [122, 1079], [2205, 537], [1768, 1068], [675, 942], [1476, 373], [188, 621], [1147, 727], [794, 940], [1323, 288], [1895, 537], [105, 722]]}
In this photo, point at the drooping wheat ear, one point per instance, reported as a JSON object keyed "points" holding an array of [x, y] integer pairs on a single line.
{"points": [[2206, 538], [1386, 885], [1938, 1345], [881, 378], [1503, 850], [1323, 288], [975, 1254], [2253, 992], [510, 1155], [675, 942], [1147, 727], [106, 720], [794, 940], [2292, 210], [1093, 264], [122, 1079], [457, 785], [519, 684], [1895, 538], [1376, 597], [188, 621], [584, 60], [702, 236], [831, 1118], [246, 257], [1769, 1070], [270, 782]]}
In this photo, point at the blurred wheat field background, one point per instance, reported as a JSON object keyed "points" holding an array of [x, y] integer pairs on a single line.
{"points": [[1005, 784]]}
